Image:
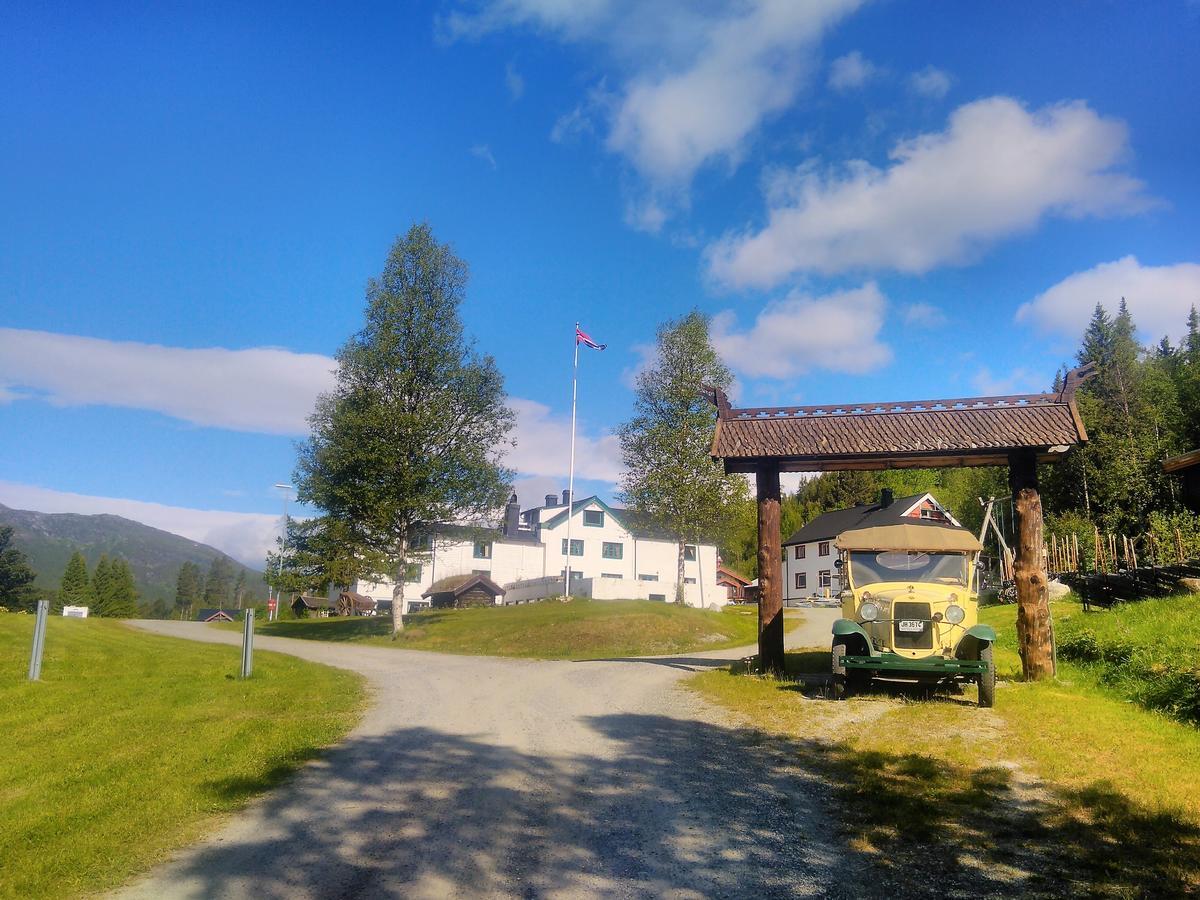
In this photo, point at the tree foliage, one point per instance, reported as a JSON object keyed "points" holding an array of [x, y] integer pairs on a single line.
{"points": [[115, 591], [189, 589], [16, 576], [415, 429], [218, 583], [75, 589], [671, 482]]}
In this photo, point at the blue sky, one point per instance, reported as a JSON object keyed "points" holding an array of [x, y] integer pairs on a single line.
{"points": [[875, 200]]}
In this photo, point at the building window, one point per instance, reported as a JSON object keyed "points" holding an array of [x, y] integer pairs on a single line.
{"points": [[613, 551], [480, 572], [657, 596], [412, 573], [800, 548], [576, 547], [689, 581], [647, 578], [689, 552], [801, 581], [610, 575], [422, 542], [593, 517], [483, 549], [823, 579], [823, 548], [576, 575]]}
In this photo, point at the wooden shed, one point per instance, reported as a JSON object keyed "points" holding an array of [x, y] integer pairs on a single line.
{"points": [[1187, 467], [304, 606], [352, 604], [733, 582], [462, 591]]}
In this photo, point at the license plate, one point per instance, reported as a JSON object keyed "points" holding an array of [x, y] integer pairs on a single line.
{"points": [[911, 625]]}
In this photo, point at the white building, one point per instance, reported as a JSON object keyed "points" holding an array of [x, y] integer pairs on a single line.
{"points": [[809, 556], [610, 557]]}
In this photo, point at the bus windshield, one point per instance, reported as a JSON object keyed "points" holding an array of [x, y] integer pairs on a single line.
{"points": [[873, 567]]}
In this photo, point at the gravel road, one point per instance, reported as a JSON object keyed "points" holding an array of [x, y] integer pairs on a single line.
{"points": [[475, 776]]}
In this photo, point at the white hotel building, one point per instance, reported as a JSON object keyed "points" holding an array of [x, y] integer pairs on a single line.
{"points": [[611, 559]]}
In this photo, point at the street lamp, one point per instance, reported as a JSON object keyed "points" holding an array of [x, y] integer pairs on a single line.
{"points": [[286, 489]]}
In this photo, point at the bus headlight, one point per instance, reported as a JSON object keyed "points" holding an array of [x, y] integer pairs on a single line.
{"points": [[869, 611], [955, 614]]}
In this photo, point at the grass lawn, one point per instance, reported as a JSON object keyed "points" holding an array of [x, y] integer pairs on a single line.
{"points": [[1065, 787], [132, 745], [581, 629]]}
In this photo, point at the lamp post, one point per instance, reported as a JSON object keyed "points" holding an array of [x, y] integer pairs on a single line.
{"points": [[286, 489]]}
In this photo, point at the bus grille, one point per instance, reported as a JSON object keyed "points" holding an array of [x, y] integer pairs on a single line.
{"points": [[912, 640]]}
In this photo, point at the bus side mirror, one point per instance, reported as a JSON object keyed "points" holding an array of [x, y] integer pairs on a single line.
{"points": [[838, 564]]}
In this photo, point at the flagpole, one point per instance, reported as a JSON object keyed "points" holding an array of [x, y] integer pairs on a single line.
{"points": [[571, 475]]}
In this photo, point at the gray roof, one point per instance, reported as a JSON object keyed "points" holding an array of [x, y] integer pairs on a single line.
{"points": [[869, 515]]}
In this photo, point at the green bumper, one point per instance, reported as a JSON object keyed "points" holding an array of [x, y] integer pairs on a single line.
{"points": [[891, 662]]}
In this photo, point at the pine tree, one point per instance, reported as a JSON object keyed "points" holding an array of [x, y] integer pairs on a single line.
{"points": [[16, 576], [218, 585], [75, 589], [102, 585], [188, 589], [121, 596], [239, 588]]}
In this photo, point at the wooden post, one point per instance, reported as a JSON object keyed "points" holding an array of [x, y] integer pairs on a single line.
{"points": [[1035, 638], [770, 570]]}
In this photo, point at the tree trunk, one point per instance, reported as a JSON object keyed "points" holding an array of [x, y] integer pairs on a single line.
{"points": [[399, 603], [770, 574], [1035, 636], [679, 592]]}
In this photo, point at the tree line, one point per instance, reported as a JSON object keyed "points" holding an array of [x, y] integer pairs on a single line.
{"points": [[218, 588]]}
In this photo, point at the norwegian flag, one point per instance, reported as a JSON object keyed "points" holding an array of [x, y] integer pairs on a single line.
{"points": [[581, 338]]}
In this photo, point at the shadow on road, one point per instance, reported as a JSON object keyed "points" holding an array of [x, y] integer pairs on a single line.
{"points": [[680, 807]]}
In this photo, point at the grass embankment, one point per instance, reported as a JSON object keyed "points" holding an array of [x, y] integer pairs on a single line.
{"points": [[581, 629], [132, 744], [1064, 788]]}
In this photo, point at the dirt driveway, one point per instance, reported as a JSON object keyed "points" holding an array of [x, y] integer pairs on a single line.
{"points": [[474, 776]]}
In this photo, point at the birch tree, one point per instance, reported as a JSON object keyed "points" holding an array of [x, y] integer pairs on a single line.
{"points": [[671, 482], [415, 429]]}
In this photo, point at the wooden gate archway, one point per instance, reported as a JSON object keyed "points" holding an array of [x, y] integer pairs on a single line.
{"points": [[1018, 431]]}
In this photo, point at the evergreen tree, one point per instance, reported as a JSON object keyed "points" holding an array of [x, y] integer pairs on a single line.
{"points": [[417, 423], [218, 584], [670, 481], [16, 576], [101, 584], [120, 600], [189, 587], [239, 588], [75, 589]]}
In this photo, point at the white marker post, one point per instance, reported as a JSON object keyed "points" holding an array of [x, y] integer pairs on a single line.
{"points": [[248, 644], [39, 640]]}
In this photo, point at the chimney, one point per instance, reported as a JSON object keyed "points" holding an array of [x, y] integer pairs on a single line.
{"points": [[566, 497], [512, 517], [886, 498], [551, 500]]}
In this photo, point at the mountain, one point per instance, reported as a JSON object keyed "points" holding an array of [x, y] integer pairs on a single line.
{"points": [[49, 539]]}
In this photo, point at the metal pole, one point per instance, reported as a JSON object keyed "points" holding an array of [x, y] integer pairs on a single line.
{"points": [[571, 475], [248, 644], [39, 640]]}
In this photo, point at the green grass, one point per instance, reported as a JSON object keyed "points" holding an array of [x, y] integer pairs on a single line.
{"points": [[581, 629], [133, 744], [1064, 781], [1148, 652]]}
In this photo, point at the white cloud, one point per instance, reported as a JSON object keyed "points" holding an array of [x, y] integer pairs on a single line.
{"points": [[544, 446], [851, 71], [838, 332], [245, 536], [514, 82], [930, 82], [1018, 381], [924, 315], [996, 171], [262, 389], [697, 80], [484, 152], [1159, 298]]}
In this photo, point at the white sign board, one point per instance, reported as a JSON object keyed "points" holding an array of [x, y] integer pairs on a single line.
{"points": [[75, 612]]}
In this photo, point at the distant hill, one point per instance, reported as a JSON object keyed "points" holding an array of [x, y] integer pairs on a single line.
{"points": [[49, 539]]}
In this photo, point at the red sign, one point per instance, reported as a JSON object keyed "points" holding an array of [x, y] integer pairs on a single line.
{"points": [[271, 606]]}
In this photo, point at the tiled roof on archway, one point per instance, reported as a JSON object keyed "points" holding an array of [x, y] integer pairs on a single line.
{"points": [[972, 431]]}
